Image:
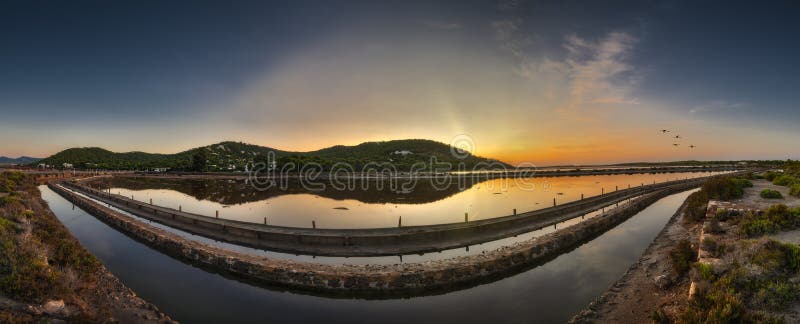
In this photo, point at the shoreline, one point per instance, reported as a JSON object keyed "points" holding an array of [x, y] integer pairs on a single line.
{"points": [[368, 281], [93, 292], [648, 283]]}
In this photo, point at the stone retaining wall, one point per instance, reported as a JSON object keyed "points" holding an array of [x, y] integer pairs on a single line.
{"points": [[370, 281], [373, 241]]}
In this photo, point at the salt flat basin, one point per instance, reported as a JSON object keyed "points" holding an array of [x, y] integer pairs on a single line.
{"points": [[373, 207]]}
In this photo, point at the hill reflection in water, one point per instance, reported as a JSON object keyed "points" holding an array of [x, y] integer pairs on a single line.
{"points": [[371, 207]]}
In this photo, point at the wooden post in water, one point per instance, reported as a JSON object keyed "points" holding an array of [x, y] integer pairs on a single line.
{"points": [[602, 191], [151, 201], [180, 208], [217, 213], [581, 196], [265, 221], [515, 211], [554, 202], [466, 217], [313, 224], [616, 188], [400, 221]]}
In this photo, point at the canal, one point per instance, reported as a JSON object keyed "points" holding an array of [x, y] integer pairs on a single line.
{"points": [[550, 293]]}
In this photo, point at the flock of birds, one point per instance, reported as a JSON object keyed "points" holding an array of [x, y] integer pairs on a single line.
{"points": [[677, 137]]}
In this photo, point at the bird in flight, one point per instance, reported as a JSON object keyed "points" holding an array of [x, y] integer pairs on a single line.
{"points": [[692, 146], [664, 131], [677, 136], [675, 144]]}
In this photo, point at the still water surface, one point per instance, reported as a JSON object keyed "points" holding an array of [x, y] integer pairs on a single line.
{"points": [[373, 206], [550, 293]]}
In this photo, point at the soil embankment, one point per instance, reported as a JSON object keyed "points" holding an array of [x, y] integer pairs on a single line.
{"points": [[46, 275]]}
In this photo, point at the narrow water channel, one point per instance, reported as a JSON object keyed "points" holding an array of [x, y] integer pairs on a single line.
{"points": [[550, 293]]}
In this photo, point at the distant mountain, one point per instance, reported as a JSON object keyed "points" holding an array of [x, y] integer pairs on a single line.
{"points": [[233, 156], [19, 160]]}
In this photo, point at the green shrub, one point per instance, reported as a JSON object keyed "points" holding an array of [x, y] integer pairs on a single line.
{"points": [[771, 194], [784, 180], [704, 270], [682, 257], [743, 183], [794, 190], [722, 188], [755, 226], [778, 256], [781, 215], [8, 200], [7, 185], [771, 175], [696, 205], [775, 295]]}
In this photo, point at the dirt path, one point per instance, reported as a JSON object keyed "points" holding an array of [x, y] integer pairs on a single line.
{"points": [[648, 284]]}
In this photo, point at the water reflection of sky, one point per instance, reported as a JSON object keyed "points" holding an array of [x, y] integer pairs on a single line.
{"points": [[408, 258], [550, 293], [372, 208]]}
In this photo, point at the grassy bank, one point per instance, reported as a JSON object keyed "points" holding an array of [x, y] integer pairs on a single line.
{"points": [[44, 271]]}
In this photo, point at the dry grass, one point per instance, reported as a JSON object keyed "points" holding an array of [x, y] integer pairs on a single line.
{"points": [[39, 258]]}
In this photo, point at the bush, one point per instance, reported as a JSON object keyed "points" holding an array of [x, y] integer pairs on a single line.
{"points": [[743, 183], [704, 270], [682, 257], [771, 194], [779, 257], [771, 175], [696, 205], [781, 215], [756, 226], [708, 244], [775, 295], [784, 180], [794, 190], [722, 188]]}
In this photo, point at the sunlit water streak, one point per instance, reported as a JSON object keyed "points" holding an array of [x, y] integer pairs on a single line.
{"points": [[374, 208]]}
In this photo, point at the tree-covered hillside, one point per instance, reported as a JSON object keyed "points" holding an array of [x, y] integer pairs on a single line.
{"points": [[233, 156]]}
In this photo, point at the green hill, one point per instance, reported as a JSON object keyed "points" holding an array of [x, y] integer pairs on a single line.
{"points": [[233, 156]]}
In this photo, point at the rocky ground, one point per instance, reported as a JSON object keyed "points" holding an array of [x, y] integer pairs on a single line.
{"points": [[648, 284], [651, 284]]}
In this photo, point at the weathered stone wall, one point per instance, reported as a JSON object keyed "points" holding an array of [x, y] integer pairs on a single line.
{"points": [[370, 281], [375, 241]]}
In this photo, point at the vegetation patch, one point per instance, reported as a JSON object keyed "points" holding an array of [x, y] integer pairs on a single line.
{"points": [[771, 194], [747, 294], [39, 259], [777, 217], [719, 188], [682, 257]]}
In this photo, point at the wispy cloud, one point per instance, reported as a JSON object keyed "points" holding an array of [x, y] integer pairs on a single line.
{"points": [[715, 106], [506, 33], [592, 73]]}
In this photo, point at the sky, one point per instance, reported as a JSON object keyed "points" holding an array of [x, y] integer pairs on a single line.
{"points": [[541, 82]]}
